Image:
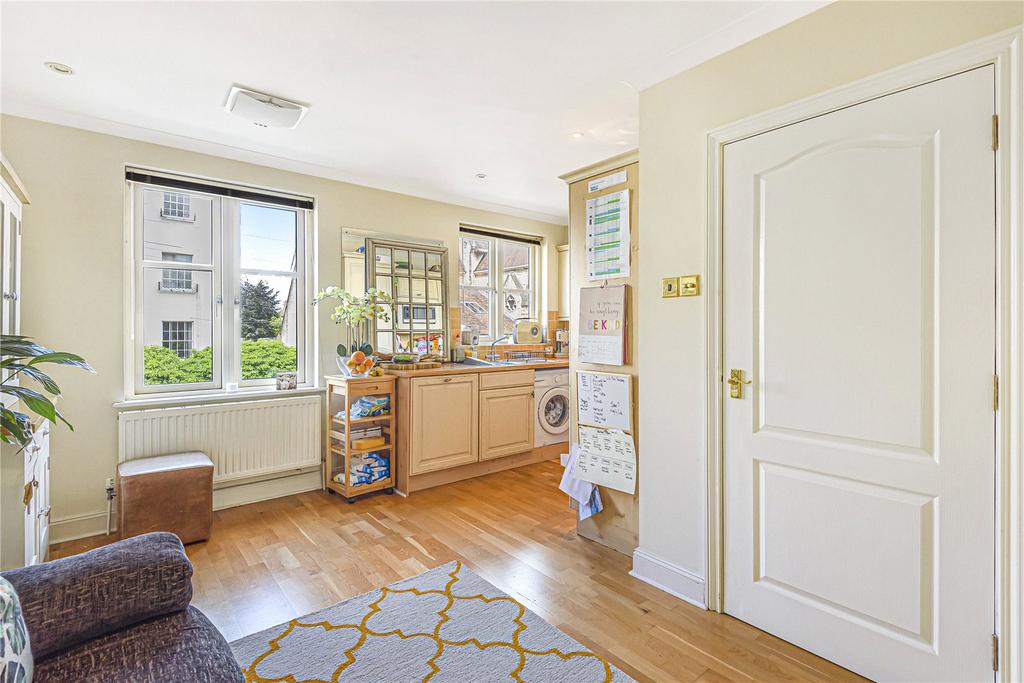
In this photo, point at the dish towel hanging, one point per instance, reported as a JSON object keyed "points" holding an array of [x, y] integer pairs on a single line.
{"points": [[584, 493]]}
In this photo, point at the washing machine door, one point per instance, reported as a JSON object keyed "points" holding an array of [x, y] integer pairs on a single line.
{"points": [[553, 411]]}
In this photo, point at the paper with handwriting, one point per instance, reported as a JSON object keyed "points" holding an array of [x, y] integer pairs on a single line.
{"points": [[604, 400], [607, 458]]}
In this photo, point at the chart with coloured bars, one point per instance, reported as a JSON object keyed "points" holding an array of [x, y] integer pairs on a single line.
{"points": [[608, 236]]}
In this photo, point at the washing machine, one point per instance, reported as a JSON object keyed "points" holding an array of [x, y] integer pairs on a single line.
{"points": [[551, 406]]}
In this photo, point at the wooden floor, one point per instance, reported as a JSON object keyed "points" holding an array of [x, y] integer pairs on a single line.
{"points": [[269, 562]]}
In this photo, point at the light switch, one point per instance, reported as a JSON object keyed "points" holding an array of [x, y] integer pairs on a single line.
{"points": [[689, 285], [669, 286]]}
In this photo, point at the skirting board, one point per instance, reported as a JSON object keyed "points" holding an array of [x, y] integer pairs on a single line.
{"points": [[80, 526], [95, 523], [671, 578], [265, 490]]}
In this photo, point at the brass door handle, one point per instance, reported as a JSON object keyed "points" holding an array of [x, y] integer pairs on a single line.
{"points": [[736, 383]]}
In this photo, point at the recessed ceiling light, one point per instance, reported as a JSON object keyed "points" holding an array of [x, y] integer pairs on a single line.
{"points": [[481, 176], [576, 134], [57, 67]]}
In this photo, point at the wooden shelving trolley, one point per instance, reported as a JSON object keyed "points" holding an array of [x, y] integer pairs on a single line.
{"points": [[350, 471]]}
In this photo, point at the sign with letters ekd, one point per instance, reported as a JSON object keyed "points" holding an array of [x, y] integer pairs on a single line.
{"points": [[602, 333]]}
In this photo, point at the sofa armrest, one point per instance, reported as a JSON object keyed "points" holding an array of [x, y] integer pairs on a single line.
{"points": [[68, 601]]}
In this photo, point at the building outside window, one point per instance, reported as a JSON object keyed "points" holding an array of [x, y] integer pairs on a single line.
{"points": [[497, 283], [177, 336], [221, 289], [177, 205], [174, 279]]}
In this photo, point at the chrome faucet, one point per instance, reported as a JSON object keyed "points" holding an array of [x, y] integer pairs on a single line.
{"points": [[493, 356]]}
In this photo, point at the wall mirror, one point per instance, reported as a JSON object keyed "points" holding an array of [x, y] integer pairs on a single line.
{"points": [[415, 275]]}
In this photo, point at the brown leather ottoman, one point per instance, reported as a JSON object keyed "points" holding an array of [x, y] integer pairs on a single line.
{"points": [[167, 493]]}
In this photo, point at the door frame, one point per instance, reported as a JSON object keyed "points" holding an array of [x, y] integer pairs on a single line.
{"points": [[1003, 50]]}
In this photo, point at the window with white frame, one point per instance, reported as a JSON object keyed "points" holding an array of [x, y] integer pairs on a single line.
{"points": [[175, 279], [223, 297], [497, 282], [177, 205], [177, 336]]}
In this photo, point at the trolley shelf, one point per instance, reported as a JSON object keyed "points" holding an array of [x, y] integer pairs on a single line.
{"points": [[341, 393]]}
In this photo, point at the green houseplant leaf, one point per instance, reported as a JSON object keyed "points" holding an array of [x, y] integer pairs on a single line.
{"points": [[21, 357], [36, 374], [374, 304]]}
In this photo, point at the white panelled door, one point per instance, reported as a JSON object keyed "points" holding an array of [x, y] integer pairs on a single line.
{"points": [[859, 298]]}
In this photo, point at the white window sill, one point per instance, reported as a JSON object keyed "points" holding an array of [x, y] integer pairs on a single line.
{"points": [[202, 397]]}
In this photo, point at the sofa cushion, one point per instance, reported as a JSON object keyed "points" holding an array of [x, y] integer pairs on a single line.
{"points": [[15, 651], [77, 598], [179, 647]]}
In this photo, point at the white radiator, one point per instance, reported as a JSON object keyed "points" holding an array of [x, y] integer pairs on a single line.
{"points": [[244, 439]]}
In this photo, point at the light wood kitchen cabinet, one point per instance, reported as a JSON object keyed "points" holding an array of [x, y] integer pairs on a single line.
{"points": [[506, 421], [444, 422], [563, 282]]}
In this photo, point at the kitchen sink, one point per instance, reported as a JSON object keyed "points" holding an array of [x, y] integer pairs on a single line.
{"points": [[472, 360]]}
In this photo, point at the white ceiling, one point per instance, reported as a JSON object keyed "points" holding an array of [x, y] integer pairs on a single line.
{"points": [[415, 97]]}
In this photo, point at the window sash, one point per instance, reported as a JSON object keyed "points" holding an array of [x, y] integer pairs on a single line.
{"points": [[226, 275], [489, 292], [233, 356], [138, 297], [495, 288]]}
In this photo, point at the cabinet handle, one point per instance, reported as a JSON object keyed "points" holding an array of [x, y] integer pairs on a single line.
{"points": [[447, 379]]}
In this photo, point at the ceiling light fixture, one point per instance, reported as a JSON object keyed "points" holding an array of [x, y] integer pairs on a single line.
{"points": [[481, 176], [58, 68], [263, 110], [576, 134]]}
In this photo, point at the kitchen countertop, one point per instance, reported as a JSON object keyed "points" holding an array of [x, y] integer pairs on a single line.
{"points": [[464, 369]]}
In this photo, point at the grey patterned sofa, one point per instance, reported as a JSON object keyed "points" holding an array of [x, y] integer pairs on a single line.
{"points": [[121, 613]]}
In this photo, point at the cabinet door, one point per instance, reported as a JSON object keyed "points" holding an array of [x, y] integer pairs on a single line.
{"points": [[444, 426], [10, 261], [506, 422], [32, 469], [43, 494]]}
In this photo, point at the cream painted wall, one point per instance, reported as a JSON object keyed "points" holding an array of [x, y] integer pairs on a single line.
{"points": [[840, 43], [73, 283]]}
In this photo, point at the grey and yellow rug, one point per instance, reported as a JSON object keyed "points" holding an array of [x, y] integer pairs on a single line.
{"points": [[446, 625]]}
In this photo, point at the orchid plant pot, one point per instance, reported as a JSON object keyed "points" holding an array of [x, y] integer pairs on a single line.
{"points": [[356, 313]]}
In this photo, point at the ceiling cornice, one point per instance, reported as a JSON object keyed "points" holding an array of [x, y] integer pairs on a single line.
{"points": [[757, 23], [603, 166]]}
